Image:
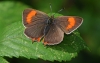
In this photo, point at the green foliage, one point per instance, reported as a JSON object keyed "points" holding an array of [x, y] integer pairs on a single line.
{"points": [[2, 60], [13, 42]]}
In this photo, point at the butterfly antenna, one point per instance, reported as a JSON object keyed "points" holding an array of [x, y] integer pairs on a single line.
{"points": [[61, 10], [50, 7]]}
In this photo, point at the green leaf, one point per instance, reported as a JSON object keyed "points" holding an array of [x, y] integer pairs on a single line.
{"points": [[2, 60], [14, 43]]}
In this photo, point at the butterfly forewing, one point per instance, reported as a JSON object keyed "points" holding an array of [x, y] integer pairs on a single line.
{"points": [[35, 22], [68, 23], [32, 16]]}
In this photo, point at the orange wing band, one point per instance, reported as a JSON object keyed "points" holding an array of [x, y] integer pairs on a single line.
{"points": [[45, 43], [29, 16], [38, 39], [71, 21]]}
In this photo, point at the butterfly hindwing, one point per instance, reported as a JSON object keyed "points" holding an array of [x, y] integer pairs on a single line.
{"points": [[54, 35]]}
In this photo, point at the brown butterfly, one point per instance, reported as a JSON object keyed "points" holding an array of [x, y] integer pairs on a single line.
{"points": [[39, 25]]}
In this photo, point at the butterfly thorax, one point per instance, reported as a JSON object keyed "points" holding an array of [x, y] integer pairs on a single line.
{"points": [[50, 20], [49, 23]]}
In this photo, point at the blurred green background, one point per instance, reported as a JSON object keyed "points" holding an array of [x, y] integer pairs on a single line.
{"points": [[89, 10]]}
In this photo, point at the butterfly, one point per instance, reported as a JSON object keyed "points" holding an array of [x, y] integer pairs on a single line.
{"points": [[41, 26]]}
